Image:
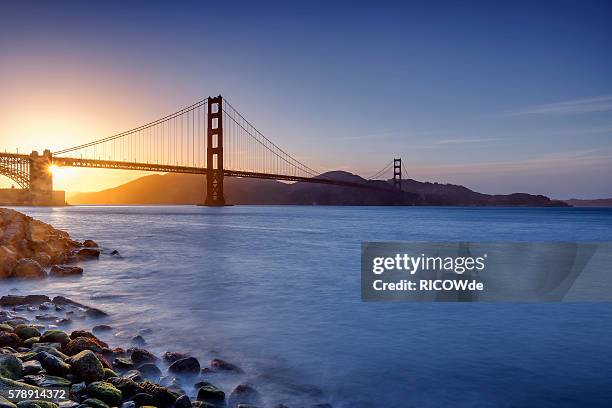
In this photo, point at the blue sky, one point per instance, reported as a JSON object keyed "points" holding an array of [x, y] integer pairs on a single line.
{"points": [[500, 97]]}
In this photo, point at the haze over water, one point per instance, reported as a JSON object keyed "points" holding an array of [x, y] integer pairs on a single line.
{"points": [[276, 290]]}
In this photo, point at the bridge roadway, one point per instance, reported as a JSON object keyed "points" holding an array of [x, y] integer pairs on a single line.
{"points": [[121, 165]]}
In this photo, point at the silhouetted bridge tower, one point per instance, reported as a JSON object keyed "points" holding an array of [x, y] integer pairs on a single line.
{"points": [[209, 137]]}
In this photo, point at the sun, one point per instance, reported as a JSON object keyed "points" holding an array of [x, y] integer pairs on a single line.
{"points": [[53, 169]]}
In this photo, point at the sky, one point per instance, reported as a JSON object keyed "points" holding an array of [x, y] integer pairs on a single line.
{"points": [[498, 96]]}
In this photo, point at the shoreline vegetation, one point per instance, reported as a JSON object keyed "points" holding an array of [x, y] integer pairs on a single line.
{"points": [[36, 354]]}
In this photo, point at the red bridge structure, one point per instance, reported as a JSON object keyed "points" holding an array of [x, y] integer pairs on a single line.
{"points": [[209, 137]]}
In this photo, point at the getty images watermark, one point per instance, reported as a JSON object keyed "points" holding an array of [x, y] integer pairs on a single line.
{"points": [[486, 272]]}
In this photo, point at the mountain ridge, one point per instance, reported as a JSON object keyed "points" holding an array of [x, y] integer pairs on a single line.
{"points": [[172, 188]]}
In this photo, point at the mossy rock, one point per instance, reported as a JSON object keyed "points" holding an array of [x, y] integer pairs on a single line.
{"points": [[10, 366], [95, 403], [87, 366], [211, 394], [108, 373], [55, 336], [36, 403], [4, 403], [105, 392], [6, 328], [31, 341], [26, 331]]}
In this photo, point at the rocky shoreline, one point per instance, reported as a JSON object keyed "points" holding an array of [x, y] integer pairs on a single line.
{"points": [[32, 249], [35, 354]]}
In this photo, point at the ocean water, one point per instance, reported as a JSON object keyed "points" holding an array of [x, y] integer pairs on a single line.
{"points": [[276, 290]]}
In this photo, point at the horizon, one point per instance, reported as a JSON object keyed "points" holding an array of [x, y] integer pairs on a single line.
{"points": [[501, 99]]}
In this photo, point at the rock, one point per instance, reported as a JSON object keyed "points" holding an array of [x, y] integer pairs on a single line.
{"points": [[95, 313], [128, 404], [189, 366], [138, 340], [4, 403], [53, 364], [31, 341], [26, 331], [87, 254], [6, 328], [46, 317], [14, 300], [31, 367], [95, 403], [182, 402], [83, 343], [88, 243], [7, 383], [65, 270], [133, 375], [51, 348], [221, 365], [84, 333], [108, 373], [87, 366], [101, 328], [8, 261], [55, 336], [36, 404], [28, 269], [140, 356], [142, 399], [150, 371], [172, 356], [43, 380], [127, 386], [163, 395], [10, 366], [114, 252], [9, 339], [211, 394], [121, 362], [68, 404], [244, 394], [105, 392]]}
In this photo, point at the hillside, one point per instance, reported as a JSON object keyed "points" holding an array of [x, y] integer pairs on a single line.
{"points": [[189, 189], [600, 202]]}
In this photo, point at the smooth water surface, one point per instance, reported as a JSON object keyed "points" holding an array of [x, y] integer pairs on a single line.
{"points": [[276, 290]]}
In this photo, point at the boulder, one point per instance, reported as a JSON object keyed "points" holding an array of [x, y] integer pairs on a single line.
{"points": [[95, 403], [182, 402], [172, 356], [122, 362], [100, 328], [105, 392], [36, 404], [127, 386], [150, 371], [10, 366], [8, 261], [87, 366], [88, 243], [53, 364], [25, 331], [162, 395], [221, 365], [189, 366], [9, 339], [244, 394], [31, 367], [45, 381], [87, 254], [211, 394], [65, 270], [28, 269], [55, 336], [83, 343], [140, 356]]}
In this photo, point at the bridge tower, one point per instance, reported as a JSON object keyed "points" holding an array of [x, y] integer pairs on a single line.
{"points": [[214, 153], [41, 179], [397, 173]]}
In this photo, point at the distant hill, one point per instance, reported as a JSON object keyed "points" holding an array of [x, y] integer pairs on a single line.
{"points": [[600, 202], [174, 188]]}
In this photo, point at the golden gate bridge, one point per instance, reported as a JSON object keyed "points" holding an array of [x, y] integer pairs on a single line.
{"points": [[209, 137]]}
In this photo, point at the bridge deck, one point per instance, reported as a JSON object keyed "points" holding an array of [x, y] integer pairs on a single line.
{"points": [[110, 164]]}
